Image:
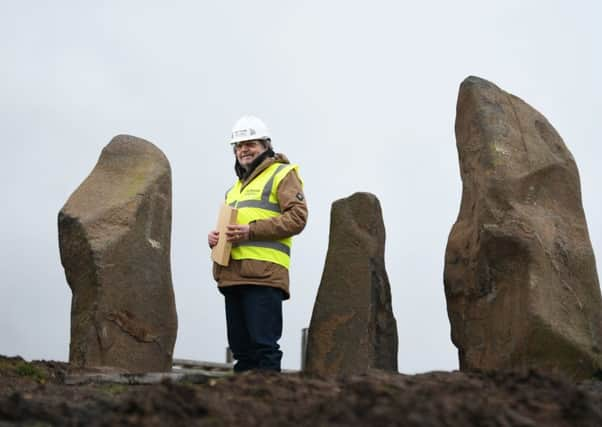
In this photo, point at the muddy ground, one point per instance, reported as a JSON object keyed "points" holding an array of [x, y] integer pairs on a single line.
{"points": [[36, 394]]}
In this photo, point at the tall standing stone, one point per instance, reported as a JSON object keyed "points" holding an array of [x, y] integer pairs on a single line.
{"points": [[352, 328], [114, 236], [520, 276]]}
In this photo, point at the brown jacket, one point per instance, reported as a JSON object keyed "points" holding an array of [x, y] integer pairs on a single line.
{"points": [[292, 221]]}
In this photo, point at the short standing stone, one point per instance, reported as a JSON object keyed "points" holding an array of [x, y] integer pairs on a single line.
{"points": [[352, 328], [520, 277], [114, 236]]}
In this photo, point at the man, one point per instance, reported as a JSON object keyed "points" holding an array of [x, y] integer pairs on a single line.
{"points": [[271, 209]]}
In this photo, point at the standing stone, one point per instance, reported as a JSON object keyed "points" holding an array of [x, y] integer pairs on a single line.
{"points": [[520, 276], [352, 327], [114, 236]]}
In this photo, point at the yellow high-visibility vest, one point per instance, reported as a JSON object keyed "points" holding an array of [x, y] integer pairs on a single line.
{"points": [[257, 201]]}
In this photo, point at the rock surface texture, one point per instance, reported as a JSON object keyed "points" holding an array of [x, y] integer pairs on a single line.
{"points": [[352, 328], [114, 236], [520, 276]]}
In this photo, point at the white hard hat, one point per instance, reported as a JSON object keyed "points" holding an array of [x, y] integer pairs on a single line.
{"points": [[248, 128]]}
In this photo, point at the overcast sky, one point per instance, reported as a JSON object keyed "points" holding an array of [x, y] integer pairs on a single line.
{"points": [[361, 94]]}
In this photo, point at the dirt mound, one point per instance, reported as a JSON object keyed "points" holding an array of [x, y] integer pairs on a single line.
{"points": [[254, 399]]}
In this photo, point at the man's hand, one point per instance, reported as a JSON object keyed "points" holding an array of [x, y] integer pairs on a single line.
{"points": [[212, 238], [237, 232]]}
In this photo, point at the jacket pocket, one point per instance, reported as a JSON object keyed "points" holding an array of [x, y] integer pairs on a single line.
{"points": [[255, 269], [217, 269]]}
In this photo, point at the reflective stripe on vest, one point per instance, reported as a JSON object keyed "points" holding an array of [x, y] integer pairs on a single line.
{"points": [[259, 200], [273, 244]]}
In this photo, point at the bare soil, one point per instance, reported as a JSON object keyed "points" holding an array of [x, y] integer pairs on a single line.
{"points": [[36, 394]]}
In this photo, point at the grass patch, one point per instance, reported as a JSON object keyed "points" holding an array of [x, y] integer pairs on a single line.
{"points": [[25, 369], [114, 389], [6, 365]]}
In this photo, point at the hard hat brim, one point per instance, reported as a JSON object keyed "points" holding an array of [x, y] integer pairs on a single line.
{"points": [[249, 138]]}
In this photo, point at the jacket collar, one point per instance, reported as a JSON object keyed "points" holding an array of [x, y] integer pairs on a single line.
{"points": [[278, 158]]}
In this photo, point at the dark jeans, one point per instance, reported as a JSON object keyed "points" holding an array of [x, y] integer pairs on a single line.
{"points": [[254, 320]]}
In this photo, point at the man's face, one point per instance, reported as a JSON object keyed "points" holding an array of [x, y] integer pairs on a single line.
{"points": [[247, 151]]}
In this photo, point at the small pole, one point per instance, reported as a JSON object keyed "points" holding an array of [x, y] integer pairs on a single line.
{"points": [[304, 333], [229, 355]]}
